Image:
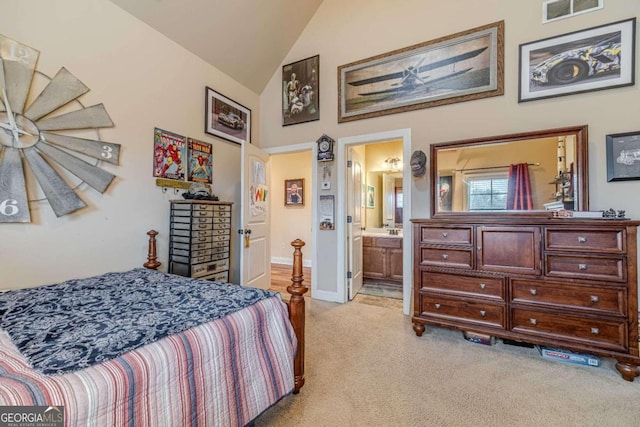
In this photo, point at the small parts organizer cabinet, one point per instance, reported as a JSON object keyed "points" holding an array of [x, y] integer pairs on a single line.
{"points": [[565, 283], [199, 241]]}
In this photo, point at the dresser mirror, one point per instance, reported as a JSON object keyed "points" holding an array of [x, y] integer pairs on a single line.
{"points": [[529, 173]]}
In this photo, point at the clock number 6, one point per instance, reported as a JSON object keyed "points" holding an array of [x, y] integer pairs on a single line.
{"points": [[9, 207]]}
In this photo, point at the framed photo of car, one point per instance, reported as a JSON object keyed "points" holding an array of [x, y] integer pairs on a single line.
{"points": [[301, 91], [623, 156], [226, 118], [597, 58]]}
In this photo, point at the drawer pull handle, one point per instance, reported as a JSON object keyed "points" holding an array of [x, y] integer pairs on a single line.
{"points": [[437, 305], [483, 286], [582, 239], [595, 298], [595, 331], [445, 234], [483, 313], [534, 291], [533, 321], [445, 256], [582, 266]]}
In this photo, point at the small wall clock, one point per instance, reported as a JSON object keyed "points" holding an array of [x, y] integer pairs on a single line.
{"points": [[33, 137], [325, 148]]}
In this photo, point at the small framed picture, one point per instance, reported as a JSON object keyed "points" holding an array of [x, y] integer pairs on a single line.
{"points": [[623, 156], [371, 196], [226, 118], [294, 192]]}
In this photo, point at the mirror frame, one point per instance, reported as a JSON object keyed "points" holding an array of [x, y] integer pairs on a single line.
{"points": [[581, 168]]}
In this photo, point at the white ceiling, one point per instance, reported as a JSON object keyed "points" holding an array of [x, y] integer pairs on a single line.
{"points": [[246, 39]]}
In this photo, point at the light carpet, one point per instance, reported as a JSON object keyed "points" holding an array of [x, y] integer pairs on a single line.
{"points": [[366, 367]]}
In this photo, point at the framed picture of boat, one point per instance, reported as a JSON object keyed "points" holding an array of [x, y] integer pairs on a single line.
{"points": [[456, 68]]}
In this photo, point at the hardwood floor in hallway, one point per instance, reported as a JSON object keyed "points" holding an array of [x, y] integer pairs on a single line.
{"points": [[281, 278]]}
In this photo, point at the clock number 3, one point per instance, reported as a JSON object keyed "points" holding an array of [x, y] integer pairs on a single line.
{"points": [[107, 152], [9, 207]]}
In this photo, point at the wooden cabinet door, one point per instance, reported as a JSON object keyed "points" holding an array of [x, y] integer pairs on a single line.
{"points": [[509, 249], [395, 264], [373, 262]]}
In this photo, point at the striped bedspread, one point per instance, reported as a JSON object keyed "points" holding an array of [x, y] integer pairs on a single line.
{"points": [[221, 373]]}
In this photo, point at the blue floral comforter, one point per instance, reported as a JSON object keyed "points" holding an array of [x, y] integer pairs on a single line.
{"points": [[68, 326]]}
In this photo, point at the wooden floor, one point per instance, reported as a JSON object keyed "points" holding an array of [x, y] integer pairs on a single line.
{"points": [[281, 278]]}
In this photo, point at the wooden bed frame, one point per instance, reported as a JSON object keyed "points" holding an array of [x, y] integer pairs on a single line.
{"points": [[296, 303]]}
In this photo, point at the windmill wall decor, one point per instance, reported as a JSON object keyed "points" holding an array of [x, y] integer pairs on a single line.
{"points": [[33, 142]]}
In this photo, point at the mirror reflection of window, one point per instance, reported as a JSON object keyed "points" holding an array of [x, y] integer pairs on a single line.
{"points": [[487, 193]]}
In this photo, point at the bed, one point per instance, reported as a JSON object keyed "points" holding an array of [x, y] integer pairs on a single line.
{"points": [[146, 348]]}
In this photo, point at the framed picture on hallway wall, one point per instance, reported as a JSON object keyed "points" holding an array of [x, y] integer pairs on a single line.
{"points": [[226, 118], [456, 68], [301, 91], [294, 192]]}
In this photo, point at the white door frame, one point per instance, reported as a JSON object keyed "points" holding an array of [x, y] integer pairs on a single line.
{"points": [[341, 209], [305, 146]]}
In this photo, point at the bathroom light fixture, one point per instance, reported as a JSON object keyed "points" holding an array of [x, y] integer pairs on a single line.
{"points": [[393, 164]]}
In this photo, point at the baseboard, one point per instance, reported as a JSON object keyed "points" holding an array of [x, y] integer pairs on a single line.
{"points": [[325, 296], [289, 261]]}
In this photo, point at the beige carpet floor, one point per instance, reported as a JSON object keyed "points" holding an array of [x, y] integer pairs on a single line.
{"points": [[366, 367]]}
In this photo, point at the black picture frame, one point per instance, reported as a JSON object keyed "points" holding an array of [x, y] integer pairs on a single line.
{"points": [[596, 58], [623, 156], [226, 118], [301, 91]]}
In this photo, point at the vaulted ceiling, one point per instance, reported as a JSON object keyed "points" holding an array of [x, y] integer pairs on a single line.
{"points": [[245, 39]]}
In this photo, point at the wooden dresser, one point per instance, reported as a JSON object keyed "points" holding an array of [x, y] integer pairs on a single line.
{"points": [[564, 283], [199, 239]]}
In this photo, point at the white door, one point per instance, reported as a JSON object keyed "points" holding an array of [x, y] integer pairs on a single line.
{"points": [[255, 256], [354, 223]]}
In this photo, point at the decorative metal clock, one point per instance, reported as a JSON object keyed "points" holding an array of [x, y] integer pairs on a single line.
{"points": [[30, 136]]}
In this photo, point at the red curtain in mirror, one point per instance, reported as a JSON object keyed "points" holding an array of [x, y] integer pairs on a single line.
{"points": [[519, 188]]}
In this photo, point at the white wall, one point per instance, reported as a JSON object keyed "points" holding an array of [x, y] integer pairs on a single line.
{"points": [[144, 81], [342, 32]]}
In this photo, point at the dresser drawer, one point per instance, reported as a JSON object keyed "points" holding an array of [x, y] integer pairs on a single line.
{"points": [[446, 235], [607, 241], [470, 312], [208, 268], [606, 300], [446, 257], [491, 287], [603, 333], [586, 267]]}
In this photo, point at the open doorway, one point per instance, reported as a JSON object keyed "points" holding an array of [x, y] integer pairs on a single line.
{"points": [[292, 214], [383, 221]]}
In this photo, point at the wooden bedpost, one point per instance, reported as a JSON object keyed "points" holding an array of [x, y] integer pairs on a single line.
{"points": [[297, 313], [152, 262]]}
